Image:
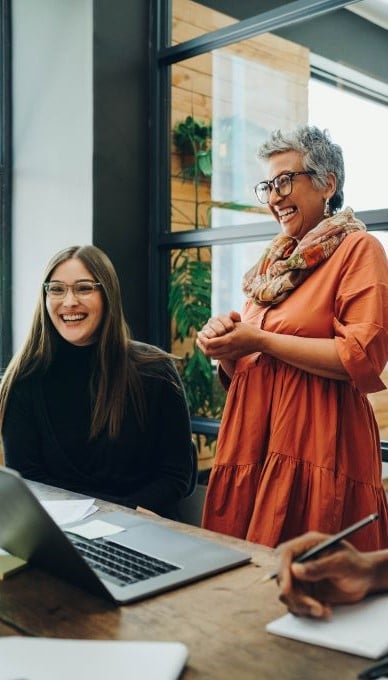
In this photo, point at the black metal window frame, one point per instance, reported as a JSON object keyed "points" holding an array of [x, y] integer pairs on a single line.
{"points": [[5, 185], [162, 56]]}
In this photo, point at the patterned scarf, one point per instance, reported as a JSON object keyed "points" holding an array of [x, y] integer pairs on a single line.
{"points": [[286, 263]]}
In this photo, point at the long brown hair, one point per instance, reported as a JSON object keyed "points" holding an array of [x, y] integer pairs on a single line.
{"points": [[119, 360]]}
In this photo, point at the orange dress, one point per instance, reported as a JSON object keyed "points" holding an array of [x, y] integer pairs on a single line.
{"points": [[295, 451]]}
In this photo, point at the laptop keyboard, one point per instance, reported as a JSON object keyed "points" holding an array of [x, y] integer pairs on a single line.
{"points": [[123, 566]]}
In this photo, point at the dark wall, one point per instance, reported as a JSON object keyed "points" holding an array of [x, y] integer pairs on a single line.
{"points": [[120, 171], [5, 185]]}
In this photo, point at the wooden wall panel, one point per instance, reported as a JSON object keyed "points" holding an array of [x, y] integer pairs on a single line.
{"points": [[192, 19]]}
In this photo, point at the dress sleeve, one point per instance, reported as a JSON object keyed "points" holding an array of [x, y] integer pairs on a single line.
{"points": [[20, 434], [361, 313]]}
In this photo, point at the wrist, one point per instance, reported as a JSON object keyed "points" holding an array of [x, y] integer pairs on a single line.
{"points": [[262, 341], [378, 571]]}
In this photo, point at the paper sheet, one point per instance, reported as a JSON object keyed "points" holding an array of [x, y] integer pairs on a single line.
{"points": [[357, 628], [49, 658], [65, 512]]}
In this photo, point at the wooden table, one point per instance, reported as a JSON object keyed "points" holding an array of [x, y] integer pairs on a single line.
{"points": [[221, 619]]}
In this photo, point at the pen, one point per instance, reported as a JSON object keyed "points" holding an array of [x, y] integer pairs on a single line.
{"points": [[328, 543], [378, 670]]}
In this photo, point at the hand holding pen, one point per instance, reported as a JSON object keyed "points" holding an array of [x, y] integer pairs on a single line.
{"points": [[317, 571]]}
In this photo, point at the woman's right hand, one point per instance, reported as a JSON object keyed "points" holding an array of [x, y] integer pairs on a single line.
{"points": [[342, 576], [219, 325]]}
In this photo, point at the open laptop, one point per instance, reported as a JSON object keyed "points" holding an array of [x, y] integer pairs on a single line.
{"points": [[144, 559]]}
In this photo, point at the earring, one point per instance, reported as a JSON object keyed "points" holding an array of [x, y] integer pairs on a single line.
{"points": [[327, 209]]}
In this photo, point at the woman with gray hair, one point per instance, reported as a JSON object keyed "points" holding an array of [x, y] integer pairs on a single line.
{"points": [[86, 408], [298, 447]]}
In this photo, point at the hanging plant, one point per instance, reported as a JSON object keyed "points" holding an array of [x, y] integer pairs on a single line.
{"points": [[192, 139]]}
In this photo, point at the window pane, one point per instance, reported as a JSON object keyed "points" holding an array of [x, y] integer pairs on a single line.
{"points": [[205, 282], [229, 264], [219, 117], [365, 158]]}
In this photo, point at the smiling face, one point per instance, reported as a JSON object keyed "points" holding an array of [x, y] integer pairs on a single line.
{"points": [[77, 320], [303, 208]]}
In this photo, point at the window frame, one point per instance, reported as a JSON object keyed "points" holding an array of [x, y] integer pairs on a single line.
{"points": [[162, 56]]}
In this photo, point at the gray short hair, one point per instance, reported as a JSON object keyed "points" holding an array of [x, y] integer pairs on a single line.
{"points": [[318, 152]]}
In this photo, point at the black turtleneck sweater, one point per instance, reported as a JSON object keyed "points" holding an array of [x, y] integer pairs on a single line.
{"points": [[46, 437]]}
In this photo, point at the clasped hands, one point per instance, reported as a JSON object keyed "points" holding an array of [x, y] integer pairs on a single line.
{"points": [[227, 337]]}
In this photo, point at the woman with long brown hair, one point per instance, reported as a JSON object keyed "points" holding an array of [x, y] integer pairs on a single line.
{"points": [[85, 407]]}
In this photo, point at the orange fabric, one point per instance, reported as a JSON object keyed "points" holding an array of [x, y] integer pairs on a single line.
{"points": [[295, 451]]}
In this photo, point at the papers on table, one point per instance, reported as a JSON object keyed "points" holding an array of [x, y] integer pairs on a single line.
{"points": [[62, 512], [65, 512], [359, 628], [95, 529], [69, 512], [48, 658]]}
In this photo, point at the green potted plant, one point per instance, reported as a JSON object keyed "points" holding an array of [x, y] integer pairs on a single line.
{"points": [[192, 139]]}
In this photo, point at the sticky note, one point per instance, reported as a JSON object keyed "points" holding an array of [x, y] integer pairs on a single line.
{"points": [[97, 528], [9, 564]]}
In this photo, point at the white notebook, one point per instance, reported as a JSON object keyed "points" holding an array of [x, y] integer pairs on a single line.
{"points": [[48, 658], [360, 628]]}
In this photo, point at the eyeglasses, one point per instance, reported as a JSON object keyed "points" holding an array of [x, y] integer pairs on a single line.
{"points": [[58, 290], [282, 185]]}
